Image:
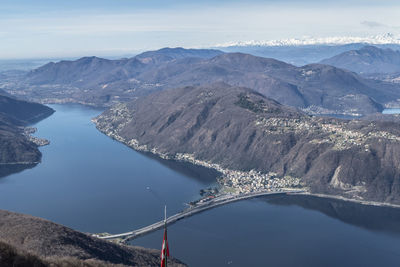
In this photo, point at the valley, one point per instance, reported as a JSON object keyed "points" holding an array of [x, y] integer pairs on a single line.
{"points": [[194, 109], [199, 133]]}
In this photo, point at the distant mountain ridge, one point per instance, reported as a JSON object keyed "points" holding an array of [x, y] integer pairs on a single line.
{"points": [[318, 89], [387, 38], [90, 71], [298, 55], [307, 50], [168, 54], [367, 60]]}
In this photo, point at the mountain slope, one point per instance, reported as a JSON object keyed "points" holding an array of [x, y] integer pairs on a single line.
{"points": [[92, 71], [169, 54], [312, 85], [298, 55], [56, 243], [23, 112], [369, 59], [16, 147], [240, 129], [316, 88]]}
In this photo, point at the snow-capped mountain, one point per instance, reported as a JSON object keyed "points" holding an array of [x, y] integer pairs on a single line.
{"points": [[387, 38]]}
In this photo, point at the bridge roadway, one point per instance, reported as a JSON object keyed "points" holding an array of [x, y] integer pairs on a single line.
{"points": [[221, 200]]}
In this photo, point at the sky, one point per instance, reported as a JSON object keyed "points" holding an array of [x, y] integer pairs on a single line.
{"points": [[72, 28]]}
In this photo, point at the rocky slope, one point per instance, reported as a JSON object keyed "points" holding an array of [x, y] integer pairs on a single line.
{"points": [[52, 243], [368, 59], [316, 88], [239, 129]]}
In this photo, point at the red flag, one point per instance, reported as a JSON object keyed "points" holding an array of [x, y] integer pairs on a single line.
{"points": [[164, 250]]}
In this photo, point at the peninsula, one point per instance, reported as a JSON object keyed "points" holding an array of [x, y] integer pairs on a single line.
{"points": [[258, 143], [18, 148]]}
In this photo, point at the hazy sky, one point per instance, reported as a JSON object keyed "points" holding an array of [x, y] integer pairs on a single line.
{"points": [[55, 28]]}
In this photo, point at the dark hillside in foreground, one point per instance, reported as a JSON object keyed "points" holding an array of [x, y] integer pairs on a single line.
{"points": [[43, 241], [11, 257]]}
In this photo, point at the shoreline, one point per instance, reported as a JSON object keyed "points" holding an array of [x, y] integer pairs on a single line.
{"points": [[342, 198], [19, 163], [134, 144]]}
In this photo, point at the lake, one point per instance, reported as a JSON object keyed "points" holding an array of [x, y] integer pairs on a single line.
{"points": [[92, 183]]}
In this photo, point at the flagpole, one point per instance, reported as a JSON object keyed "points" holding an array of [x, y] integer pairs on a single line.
{"points": [[165, 227], [165, 249]]}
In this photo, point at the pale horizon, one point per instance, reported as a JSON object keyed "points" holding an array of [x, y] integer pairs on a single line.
{"points": [[52, 30]]}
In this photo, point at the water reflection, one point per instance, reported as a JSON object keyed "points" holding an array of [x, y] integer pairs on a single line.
{"points": [[8, 169], [384, 219], [199, 173]]}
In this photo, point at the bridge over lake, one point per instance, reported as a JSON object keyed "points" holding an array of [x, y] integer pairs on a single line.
{"points": [[212, 203]]}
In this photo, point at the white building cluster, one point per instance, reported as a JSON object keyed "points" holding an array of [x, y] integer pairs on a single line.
{"points": [[245, 182]]}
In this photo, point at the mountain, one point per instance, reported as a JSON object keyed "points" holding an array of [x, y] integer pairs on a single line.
{"points": [[369, 59], [240, 129], [96, 81], [51, 244], [169, 54], [92, 71], [384, 39], [16, 146], [22, 112], [302, 51], [312, 86], [298, 55], [316, 88]]}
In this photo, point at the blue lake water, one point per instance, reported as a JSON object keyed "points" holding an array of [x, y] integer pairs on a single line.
{"points": [[91, 183]]}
